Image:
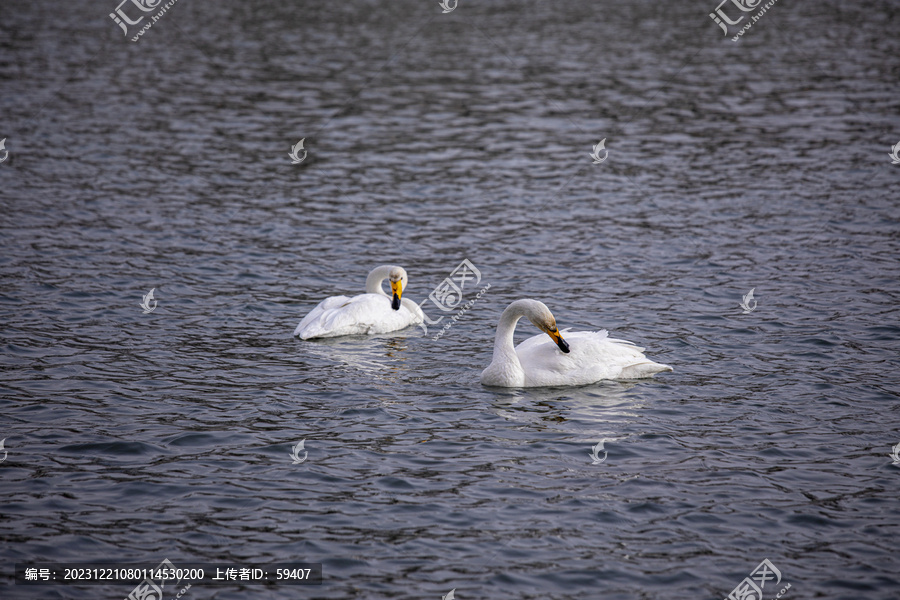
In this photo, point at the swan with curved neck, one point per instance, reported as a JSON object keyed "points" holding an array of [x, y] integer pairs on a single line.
{"points": [[587, 356], [369, 313]]}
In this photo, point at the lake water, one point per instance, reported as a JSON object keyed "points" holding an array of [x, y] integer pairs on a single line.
{"points": [[432, 138]]}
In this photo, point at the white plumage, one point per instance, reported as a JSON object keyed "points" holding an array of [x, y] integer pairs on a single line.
{"points": [[369, 313], [577, 358]]}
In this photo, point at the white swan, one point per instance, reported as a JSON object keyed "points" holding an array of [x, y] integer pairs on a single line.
{"points": [[538, 362], [372, 312]]}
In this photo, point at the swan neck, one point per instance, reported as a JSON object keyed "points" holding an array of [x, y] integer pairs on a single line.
{"points": [[373, 281], [503, 342]]}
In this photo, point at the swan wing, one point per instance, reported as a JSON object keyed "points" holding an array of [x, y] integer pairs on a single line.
{"points": [[312, 321], [416, 315], [594, 356], [359, 315]]}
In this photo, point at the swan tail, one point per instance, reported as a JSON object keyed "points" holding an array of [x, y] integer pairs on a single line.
{"points": [[643, 370], [318, 322]]}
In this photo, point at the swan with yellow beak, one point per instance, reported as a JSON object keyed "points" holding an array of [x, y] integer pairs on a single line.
{"points": [[365, 314], [581, 358]]}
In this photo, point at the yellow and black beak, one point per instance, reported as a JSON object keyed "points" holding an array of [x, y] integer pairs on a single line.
{"points": [[556, 337], [396, 292]]}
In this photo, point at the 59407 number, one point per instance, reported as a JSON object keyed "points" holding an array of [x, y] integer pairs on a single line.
{"points": [[292, 573]]}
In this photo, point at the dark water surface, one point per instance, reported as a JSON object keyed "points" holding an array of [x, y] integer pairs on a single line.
{"points": [[434, 137]]}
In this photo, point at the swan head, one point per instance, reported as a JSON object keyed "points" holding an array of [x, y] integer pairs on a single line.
{"points": [[554, 334], [396, 275], [543, 319], [398, 279]]}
